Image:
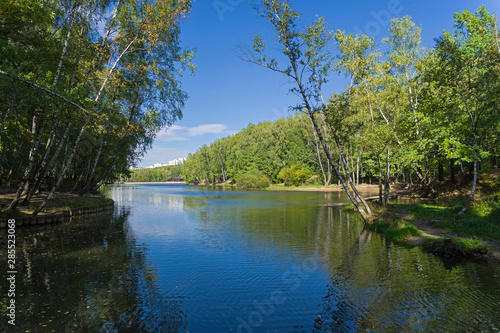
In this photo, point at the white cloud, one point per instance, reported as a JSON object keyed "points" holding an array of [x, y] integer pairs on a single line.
{"points": [[171, 134], [206, 129], [179, 133]]}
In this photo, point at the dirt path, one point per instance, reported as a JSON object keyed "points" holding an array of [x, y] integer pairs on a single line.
{"points": [[429, 230]]}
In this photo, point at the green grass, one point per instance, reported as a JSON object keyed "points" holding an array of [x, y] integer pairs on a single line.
{"points": [[349, 208], [395, 230], [84, 202], [69, 203], [282, 187], [13, 215], [455, 247], [482, 219]]}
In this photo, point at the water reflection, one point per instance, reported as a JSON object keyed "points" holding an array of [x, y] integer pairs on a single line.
{"points": [[177, 259], [90, 275], [373, 284]]}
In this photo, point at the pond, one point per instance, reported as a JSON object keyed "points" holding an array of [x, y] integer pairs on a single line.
{"points": [[178, 258]]}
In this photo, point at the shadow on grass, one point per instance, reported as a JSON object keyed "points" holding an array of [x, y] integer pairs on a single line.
{"points": [[482, 218]]}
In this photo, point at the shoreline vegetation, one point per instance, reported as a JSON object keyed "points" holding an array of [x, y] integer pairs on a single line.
{"points": [[431, 223], [399, 120], [428, 218], [61, 201], [84, 92]]}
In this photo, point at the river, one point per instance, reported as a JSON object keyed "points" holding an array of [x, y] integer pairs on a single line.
{"points": [[179, 258]]}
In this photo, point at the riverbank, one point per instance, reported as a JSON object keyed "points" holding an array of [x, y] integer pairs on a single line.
{"points": [[142, 183], [320, 188], [430, 223], [433, 228], [365, 188], [59, 207]]}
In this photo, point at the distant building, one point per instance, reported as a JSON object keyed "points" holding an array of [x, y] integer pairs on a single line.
{"points": [[156, 165], [177, 161], [175, 179]]}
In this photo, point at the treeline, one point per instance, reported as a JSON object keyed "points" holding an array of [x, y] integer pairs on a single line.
{"points": [[406, 113], [160, 174], [85, 87], [286, 150]]}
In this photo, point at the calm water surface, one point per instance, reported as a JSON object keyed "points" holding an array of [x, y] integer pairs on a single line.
{"points": [[176, 258]]}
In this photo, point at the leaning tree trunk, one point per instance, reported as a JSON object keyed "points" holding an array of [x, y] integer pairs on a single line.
{"points": [[27, 171], [29, 187], [366, 216], [316, 145], [380, 191], [349, 180], [49, 166], [61, 174], [387, 186]]}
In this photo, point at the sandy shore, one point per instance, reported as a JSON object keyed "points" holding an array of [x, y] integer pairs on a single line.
{"points": [[142, 183], [331, 188], [363, 188]]}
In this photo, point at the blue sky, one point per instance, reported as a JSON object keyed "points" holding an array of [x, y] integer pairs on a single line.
{"points": [[226, 93]]}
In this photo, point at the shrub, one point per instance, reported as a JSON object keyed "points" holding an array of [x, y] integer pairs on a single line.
{"points": [[253, 179], [313, 180], [486, 168], [294, 175]]}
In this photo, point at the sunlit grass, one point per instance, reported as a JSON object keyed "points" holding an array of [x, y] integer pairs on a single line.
{"points": [[455, 247], [482, 219], [396, 230]]}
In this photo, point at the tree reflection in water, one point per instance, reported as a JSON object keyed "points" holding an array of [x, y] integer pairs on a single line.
{"points": [[89, 275], [378, 287]]}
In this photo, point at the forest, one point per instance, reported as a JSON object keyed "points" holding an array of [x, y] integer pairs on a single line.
{"points": [[160, 174], [86, 85], [408, 113]]}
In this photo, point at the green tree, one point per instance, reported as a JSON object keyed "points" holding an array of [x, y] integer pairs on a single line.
{"points": [[306, 54], [253, 179], [464, 81]]}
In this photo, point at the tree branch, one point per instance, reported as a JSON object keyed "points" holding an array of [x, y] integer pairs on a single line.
{"points": [[46, 90]]}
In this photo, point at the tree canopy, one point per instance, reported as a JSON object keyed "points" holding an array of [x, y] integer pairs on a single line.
{"points": [[86, 86], [406, 114]]}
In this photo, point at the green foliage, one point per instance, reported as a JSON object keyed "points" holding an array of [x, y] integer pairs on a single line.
{"points": [[294, 175], [266, 147], [455, 247], [481, 220], [313, 180], [253, 179], [160, 174], [486, 168], [86, 85], [396, 230], [494, 182]]}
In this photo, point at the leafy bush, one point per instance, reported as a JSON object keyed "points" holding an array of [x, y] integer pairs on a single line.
{"points": [[486, 168], [313, 180], [294, 175], [253, 179]]}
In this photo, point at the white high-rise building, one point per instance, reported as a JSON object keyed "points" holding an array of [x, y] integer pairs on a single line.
{"points": [[177, 161]]}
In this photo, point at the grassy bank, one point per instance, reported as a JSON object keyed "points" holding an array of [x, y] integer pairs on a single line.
{"points": [[481, 220], [59, 202], [365, 188], [403, 231], [433, 227]]}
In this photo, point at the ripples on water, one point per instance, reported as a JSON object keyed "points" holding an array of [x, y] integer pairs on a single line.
{"points": [[174, 258]]}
